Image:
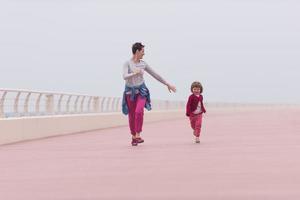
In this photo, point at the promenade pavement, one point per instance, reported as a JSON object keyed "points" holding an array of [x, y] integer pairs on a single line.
{"points": [[244, 154]]}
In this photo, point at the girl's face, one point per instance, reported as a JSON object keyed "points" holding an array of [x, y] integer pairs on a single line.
{"points": [[196, 91]]}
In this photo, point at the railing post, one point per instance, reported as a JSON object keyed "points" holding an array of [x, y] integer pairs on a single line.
{"points": [[75, 103], [103, 99], [117, 106], [59, 103], [96, 104], [81, 104], [50, 103], [16, 104], [68, 104], [26, 103], [89, 104], [2, 105], [112, 106], [108, 104], [37, 103]]}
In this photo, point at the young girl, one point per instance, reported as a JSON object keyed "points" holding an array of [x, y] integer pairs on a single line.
{"points": [[195, 108]]}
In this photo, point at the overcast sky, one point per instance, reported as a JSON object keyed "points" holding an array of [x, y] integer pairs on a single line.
{"points": [[241, 50]]}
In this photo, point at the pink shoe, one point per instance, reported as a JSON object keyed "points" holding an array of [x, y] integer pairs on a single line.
{"points": [[139, 140], [134, 142]]}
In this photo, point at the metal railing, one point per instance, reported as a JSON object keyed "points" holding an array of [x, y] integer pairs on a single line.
{"points": [[24, 103]]}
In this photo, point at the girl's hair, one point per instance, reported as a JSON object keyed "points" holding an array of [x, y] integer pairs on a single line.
{"points": [[196, 84]]}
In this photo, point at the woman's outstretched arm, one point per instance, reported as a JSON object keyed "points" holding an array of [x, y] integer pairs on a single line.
{"points": [[155, 75]]}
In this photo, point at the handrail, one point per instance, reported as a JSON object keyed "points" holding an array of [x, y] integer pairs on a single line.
{"points": [[25, 103]]}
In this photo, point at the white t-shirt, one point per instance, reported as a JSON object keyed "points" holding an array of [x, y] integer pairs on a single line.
{"points": [[198, 110], [132, 79]]}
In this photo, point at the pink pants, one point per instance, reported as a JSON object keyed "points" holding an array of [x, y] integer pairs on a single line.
{"points": [[196, 123], [136, 113]]}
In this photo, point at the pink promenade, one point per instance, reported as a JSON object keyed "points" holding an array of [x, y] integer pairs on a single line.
{"points": [[244, 154]]}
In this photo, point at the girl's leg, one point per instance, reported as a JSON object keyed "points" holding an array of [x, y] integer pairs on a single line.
{"points": [[139, 114], [193, 122], [198, 124], [131, 114]]}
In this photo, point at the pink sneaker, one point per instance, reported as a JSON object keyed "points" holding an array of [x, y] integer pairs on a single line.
{"points": [[139, 140], [134, 142]]}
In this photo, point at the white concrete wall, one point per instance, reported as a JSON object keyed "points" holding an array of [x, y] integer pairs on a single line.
{"points": [[21, 129]]}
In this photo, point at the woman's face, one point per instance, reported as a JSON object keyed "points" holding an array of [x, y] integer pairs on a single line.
{"points": [[196, 90], [140, 53]]}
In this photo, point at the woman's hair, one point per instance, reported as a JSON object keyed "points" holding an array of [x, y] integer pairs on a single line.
{"points": [[137, 46], [196, 84]]}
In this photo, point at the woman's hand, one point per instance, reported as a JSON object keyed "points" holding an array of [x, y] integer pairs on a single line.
{"points": [[138, 71], [171, 88]]}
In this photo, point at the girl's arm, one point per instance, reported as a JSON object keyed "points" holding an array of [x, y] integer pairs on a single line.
{"points": [[202, 105], [188, 107]]}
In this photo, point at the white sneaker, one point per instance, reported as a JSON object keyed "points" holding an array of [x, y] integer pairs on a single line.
{"points": [[197, 140]]}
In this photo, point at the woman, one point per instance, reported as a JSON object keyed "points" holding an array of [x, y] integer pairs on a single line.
{"points": [[136, 95]]}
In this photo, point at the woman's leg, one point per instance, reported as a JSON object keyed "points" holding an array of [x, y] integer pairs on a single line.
{"points": [[131, 115], [139, 114]]}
